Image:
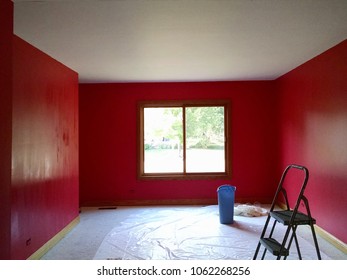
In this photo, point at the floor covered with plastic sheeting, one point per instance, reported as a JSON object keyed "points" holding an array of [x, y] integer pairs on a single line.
{"points": [[191, 232]]}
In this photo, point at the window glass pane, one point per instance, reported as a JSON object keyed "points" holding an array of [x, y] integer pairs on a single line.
{"points": [[163, 132], [205, 146]]}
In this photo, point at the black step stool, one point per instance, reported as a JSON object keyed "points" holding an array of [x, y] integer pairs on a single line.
{"points": [[291, 218]]}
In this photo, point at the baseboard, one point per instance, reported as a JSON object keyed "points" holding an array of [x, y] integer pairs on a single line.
{"points": [[337, 243], [207, 201], [53, 241], [152, 202]]}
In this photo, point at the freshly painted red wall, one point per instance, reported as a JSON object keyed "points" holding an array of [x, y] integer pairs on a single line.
{"points": [[6, 25], [313, 108], [108, 127], [44, 149]]}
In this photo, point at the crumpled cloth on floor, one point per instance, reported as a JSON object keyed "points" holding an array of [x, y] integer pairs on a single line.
{"points": [[248, 210]]}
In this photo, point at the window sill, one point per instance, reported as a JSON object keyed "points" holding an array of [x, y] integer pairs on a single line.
{"points": [[188, 176]]}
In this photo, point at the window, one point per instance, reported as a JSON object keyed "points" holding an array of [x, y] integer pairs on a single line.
{"points": [[183, 139]]}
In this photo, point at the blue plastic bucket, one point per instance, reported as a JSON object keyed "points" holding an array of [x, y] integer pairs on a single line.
{"points": [[226, 200]]}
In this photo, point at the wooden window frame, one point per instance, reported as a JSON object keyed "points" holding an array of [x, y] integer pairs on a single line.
{"points": [[182, 175]]}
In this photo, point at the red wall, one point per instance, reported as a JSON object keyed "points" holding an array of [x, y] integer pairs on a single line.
{"points": [[44, 149], [6, 25], [313, 115], [108, 128]]}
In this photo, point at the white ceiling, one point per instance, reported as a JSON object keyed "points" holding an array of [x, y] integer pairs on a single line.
{"points": [[181, 40]]}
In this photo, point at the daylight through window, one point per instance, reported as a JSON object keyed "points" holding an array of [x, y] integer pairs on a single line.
{"points": [[183, 140]]}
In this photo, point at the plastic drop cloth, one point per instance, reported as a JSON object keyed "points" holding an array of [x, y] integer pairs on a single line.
{"points": [[183, 233]]}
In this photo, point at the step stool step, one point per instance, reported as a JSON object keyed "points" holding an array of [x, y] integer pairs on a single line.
{"points": [[274, 247], [284, 218]]}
